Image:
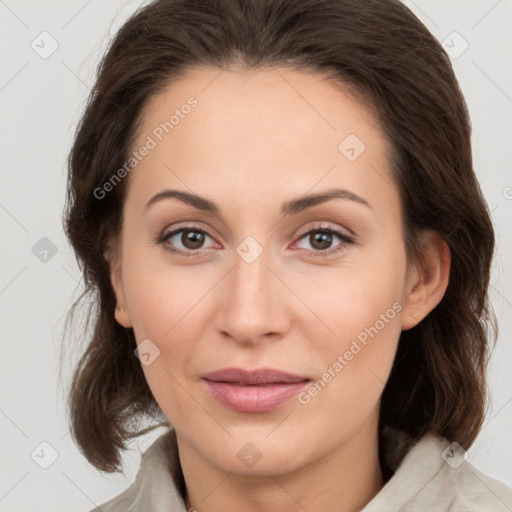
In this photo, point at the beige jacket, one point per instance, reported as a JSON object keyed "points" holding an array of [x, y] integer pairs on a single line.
{"points": [[430, 476]]}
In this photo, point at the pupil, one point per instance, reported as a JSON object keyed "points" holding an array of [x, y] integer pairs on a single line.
{"points": [[193, 239], [322, 237]]}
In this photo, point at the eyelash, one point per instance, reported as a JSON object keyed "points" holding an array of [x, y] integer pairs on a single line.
{"points": [[345, 239]]}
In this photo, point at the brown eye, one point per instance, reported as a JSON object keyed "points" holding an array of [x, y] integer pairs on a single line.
{"points": [[188, 241], [320, 240], [192, 239]]}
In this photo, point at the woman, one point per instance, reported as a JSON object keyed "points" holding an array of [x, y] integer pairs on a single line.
{"points": [[275, 205]]}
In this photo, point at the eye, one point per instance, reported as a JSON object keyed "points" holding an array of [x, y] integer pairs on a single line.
{"points": [[191, 239], [321, 240]]}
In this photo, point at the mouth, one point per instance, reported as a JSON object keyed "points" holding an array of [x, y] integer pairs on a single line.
{"points": [[260, 390]]}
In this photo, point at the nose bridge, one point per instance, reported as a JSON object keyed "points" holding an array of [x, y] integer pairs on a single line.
{"points": [[250, 308], [251, 273]]}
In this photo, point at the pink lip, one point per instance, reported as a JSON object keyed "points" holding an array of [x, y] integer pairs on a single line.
{"points": [[259, 390]]}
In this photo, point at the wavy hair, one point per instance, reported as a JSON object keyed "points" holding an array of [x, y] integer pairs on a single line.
{"points": [[385, 56]]}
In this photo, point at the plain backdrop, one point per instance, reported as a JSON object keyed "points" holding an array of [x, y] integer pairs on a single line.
{"points": [[49, 54]]}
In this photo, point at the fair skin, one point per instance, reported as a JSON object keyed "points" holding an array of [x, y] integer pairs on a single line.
{"points": [[255, 140]]}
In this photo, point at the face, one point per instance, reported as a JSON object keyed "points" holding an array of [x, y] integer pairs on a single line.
{"points": [[315, 290]]}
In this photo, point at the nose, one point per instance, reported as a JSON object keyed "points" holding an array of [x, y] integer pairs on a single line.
{"points": [[254, 303]]}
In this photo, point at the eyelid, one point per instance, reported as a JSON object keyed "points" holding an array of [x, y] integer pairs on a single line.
{"points": [[187, 226], [345, 238], [348, 233]]}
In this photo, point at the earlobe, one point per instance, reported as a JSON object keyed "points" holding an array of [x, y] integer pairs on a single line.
{"points": [[428, 280], [121, 313], [123, 317]]}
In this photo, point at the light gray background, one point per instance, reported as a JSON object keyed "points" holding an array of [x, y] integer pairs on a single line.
{"points": [[41, 102]]}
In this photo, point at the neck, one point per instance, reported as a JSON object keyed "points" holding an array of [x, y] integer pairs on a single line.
{"points": [[345, 480]]}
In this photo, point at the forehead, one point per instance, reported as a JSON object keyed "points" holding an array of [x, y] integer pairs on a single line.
{"points": [[270, 130], [269, 101]]}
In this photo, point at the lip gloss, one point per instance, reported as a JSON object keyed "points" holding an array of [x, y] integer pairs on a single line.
{"points": [[253, 391]]}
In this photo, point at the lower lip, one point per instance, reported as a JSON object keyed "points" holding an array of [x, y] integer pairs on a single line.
{"points": [[254, 398]]}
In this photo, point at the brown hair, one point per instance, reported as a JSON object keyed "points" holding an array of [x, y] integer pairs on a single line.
{"points": [[382, 52]]}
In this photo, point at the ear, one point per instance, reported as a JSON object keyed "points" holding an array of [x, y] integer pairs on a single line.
{"points": [[427, 279], [113, 257]]}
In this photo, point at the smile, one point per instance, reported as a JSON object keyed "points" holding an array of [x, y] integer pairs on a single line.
{"points": [[254, 391]]}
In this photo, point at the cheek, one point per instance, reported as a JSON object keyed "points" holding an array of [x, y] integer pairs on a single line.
{"points": [[159, 295], [351, 300], [166, 308], [166, 318], [363, 337], [360, 309]]}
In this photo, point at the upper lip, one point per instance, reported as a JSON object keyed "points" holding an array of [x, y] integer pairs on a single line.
{"points": [[259, 376]]}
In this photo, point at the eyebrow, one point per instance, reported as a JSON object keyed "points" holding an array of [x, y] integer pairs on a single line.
{"points": [[291, 207]]}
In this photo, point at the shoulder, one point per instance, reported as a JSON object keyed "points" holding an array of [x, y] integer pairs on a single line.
{"points": [[156, 487], [434, 475], [478, 491]]}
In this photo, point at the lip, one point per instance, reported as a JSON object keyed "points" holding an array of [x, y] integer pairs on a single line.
{"points": [[259, 390]]}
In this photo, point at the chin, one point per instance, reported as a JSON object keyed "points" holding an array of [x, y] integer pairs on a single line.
{"points": [[256, 460], [253, 453]]}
